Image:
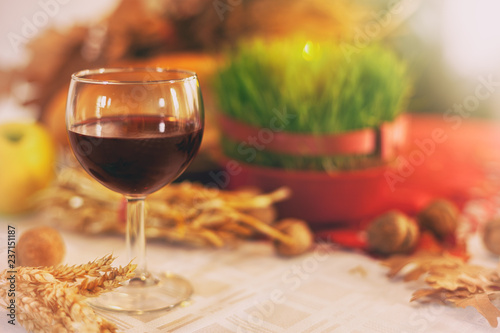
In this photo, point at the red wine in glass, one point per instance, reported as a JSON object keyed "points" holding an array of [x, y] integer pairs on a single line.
{"points": [[135, 130], [137, 154]]}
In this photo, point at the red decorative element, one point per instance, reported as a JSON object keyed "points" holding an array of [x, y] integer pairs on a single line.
{"points": [[359, 142], [348, 238], [428, 243]]}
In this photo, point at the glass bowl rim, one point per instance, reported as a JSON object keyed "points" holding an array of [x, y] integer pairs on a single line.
{"points": [[83, 75]]}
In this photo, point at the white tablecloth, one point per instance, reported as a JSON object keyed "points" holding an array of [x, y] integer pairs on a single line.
{"points": [[250, 289]]}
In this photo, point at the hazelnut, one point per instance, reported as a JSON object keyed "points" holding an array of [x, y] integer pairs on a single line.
{"points": [[439, 217], [301, 238], [392, 233], [40, 246], [491, 236]]}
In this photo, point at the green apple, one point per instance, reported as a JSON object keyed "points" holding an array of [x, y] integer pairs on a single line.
{"points": [[27, 158]]}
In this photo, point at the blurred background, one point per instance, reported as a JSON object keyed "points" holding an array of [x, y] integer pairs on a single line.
{"points": [[447, 43], [449, 46]]}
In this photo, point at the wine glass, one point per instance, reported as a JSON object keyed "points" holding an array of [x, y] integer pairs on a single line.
{"points": [[135, 130]]}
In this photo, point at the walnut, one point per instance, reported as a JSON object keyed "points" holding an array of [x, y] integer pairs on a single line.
{"points": [[491, 236], [392, 233], [439, 217], [40, 246]]}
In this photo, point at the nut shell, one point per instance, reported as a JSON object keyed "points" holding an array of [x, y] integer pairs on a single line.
{"points": [[392, 233], [40, 246], [299, 231], [439, 217], [491, 236]]}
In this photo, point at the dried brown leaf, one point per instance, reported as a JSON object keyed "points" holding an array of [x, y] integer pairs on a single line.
{"points": [[483, 305], [452, 281], [428, 295], [358, 270]]}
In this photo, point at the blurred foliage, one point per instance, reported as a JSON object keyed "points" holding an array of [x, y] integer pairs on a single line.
{"points": [[325, 90]]}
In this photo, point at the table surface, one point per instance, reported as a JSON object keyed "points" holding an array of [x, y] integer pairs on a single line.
{"points": [[250, 289]]}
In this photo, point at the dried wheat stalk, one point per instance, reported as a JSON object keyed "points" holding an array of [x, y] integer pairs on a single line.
{"points": [[185, 213], [52, 299]]}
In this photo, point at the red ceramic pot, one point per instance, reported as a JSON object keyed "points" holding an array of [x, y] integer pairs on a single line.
{"points": [[324, 198], [318, 197]]}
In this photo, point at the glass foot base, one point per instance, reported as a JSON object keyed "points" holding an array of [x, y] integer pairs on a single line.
{"points": [[146, 293]]}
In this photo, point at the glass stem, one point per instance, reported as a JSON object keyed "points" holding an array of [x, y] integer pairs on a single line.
{"points": [[136, 238]]}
